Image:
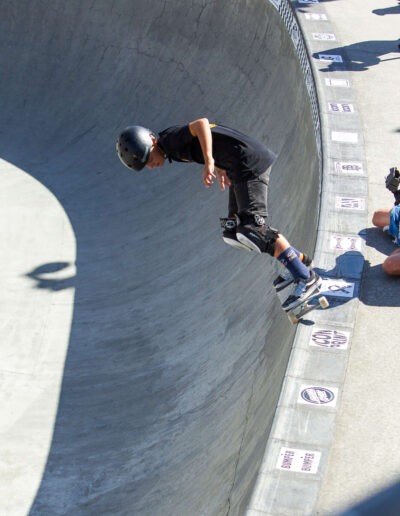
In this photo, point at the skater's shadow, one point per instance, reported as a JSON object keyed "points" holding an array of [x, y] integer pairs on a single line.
{"points": [[359, 57], [341, 282], [53, 276]]}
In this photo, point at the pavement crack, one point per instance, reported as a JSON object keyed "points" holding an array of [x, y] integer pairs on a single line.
{"points": [[249, 402]]}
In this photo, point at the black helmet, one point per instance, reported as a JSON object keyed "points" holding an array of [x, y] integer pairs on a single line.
{"points": [[133, 146]]}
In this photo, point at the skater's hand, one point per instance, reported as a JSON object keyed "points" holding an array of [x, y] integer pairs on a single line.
{"points": [[208, 174], [223, 179]]}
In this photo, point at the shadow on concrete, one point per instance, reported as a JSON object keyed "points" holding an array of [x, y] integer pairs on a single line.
{"points": [[376, 238], [377, 287], [348, 268], [348, 265], [302, 7], [359, 57], [384, 503], [40, 275], [388, 10]]}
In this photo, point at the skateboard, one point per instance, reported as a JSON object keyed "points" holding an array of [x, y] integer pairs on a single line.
{"points": [[312, 303]]}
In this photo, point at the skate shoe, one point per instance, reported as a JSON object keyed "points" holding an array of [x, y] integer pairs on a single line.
{"points": [[253, 234], [302, 290], [229, 234], [285, 278], [385, 230]]}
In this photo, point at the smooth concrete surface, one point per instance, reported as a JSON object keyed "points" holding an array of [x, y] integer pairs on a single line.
{"points": [[141, 358], [364, 457]]}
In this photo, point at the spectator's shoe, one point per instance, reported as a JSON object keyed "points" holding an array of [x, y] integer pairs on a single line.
{"points": [[385, 230], [253, 234], [302, 290], [229, 234], [285, 278]]}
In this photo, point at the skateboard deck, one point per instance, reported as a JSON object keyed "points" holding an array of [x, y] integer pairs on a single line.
{"points": [[310, 304]]}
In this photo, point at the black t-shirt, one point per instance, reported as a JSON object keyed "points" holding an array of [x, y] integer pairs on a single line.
{"points": [[241, 156]]}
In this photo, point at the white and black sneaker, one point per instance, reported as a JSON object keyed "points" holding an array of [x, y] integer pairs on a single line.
{"points": [[285, 278], [229, 234], [302, 290]]}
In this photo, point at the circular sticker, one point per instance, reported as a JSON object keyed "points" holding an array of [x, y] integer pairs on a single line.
{"points": [[317, 395]]}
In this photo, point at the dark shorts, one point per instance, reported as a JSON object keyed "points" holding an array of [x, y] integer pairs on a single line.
{"points": [[249, 197]]}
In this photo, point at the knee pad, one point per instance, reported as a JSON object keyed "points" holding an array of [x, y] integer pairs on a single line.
{"points": [[271, 234]]}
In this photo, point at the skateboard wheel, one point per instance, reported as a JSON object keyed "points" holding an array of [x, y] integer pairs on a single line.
{"points": [[323, 302], [293, 319]]}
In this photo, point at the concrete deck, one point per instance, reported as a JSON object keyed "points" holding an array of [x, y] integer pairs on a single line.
{"points": [[365, 453]]}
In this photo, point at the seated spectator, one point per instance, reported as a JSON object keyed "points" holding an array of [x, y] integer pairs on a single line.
{"points": [[388, 219]]}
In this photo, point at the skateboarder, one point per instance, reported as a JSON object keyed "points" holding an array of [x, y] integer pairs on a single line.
{"points": [[241, 163]]}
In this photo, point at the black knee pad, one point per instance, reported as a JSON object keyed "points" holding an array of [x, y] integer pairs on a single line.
{"points": [[271, 234]]}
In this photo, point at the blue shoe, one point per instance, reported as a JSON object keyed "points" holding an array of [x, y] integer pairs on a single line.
{"points": [[302, 290], [285, 278]]}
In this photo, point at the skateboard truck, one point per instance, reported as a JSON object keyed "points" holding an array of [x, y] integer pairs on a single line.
{"points": [[298, 312]]}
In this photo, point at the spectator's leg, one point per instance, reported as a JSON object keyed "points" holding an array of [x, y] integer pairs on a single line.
{"points": [[381, 218], [392, 264]]}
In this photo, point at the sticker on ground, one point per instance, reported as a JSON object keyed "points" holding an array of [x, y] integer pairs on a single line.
{"points": [[316, 16], [323, 36], [350, 203], [337, 288], [337, 107], [299, 461], [323, 396], [345, 243], [332, 339], [349, 167], [338, 83], [338, 136], [330, 58]]}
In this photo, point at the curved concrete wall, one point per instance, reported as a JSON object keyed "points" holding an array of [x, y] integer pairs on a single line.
{"points": [[151, 369]]}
